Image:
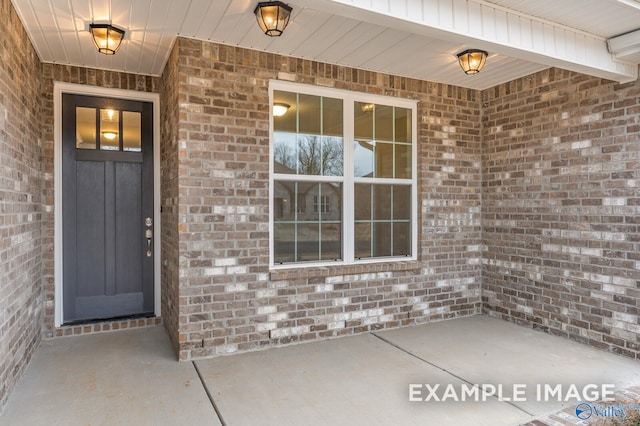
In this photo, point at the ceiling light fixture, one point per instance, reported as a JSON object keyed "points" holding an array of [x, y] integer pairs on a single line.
{"points": [[109, 135], [472, 60], [367, 107], [273, 17], [280, 109], [107, 38]]}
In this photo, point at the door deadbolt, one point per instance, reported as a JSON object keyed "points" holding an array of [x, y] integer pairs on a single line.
{"points": [[148, 221]]}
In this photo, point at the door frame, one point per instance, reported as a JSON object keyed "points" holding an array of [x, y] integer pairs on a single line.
{"points": [[81, 89]]}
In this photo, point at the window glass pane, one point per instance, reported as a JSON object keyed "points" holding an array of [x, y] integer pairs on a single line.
{"points": [[330, 202], [284, 242], [332, 117], [384, 160], [401, 202], [403, 161], [306, 194], [309, 114], [362, 203], [285, 153], [132, 131], [332, 156], [401, 239], [284, 201], [309, 155], [331, 248], [363, 154], [381, 239], [85, 128], [362, 240], [381, 202], [384, 123], [403, 125], [317, 155], [109, 130], [287, 121], [363, 120], [309, 209], [308, 238]]}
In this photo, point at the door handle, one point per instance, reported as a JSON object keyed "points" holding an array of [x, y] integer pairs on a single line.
{"points": [[149, 235]]}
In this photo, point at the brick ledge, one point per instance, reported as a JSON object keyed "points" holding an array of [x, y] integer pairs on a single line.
{"points": [[337, 270]]}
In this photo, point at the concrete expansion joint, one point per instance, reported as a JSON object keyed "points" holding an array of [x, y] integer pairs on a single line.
{"points": [[444, 370], [209, 394]]}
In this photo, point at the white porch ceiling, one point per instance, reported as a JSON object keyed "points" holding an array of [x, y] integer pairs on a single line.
{"points": [[413, 38]]}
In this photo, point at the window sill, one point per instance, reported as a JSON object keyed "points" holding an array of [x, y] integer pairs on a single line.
{"points": [[302, 271]]}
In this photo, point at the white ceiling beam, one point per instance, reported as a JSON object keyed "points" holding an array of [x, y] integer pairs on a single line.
{"points": [[482, 25], [631, 3]]}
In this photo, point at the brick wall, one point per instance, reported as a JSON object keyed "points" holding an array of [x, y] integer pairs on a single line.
{"points": [[77, 75], [169, 115], [20, 201], [561, 207], [229, 301]]}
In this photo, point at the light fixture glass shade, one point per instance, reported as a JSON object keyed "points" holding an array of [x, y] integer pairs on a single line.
{"points": [[367, 107], [273, 17], [280, 109], [107, 38], [109, 135], [472, 60]]}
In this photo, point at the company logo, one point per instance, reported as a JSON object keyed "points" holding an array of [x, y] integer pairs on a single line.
{"points": [[584, 411]]}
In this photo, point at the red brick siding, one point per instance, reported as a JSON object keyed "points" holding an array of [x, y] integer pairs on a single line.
{"points": [[169, 111], [20, 201], [561, 207], [229, 301]]}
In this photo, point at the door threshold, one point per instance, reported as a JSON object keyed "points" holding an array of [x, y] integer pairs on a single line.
{"points": [[112, 319], [105, 325]]}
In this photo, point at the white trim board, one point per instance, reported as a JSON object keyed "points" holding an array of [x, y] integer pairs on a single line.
{"points": [[81, 89]]}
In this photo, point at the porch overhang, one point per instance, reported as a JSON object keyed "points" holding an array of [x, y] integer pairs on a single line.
{"points": [[496, 29]]}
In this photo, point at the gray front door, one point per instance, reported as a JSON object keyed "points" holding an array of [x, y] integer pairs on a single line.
{"points": [[107, 196]]}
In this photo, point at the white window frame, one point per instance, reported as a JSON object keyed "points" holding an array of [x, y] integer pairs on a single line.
{"points": [[348, 180]]}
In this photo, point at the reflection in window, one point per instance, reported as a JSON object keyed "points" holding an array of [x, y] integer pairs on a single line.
{"points": [[301, 234], [382, 217], [382, 146], [322, 204], [85, 128], [109, 129], [308, 137], [311, 184], [117, 130], [132, 131], [309, 155]]}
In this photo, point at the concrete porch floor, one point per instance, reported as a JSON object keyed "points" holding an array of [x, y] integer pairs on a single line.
{"points": [[131, 378]]}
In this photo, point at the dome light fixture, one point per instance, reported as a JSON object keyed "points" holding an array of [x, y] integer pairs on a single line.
{"points": [[109, 135], [472, 60], [367, 107], [280, 109], [106, 37], [273, 17]]}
